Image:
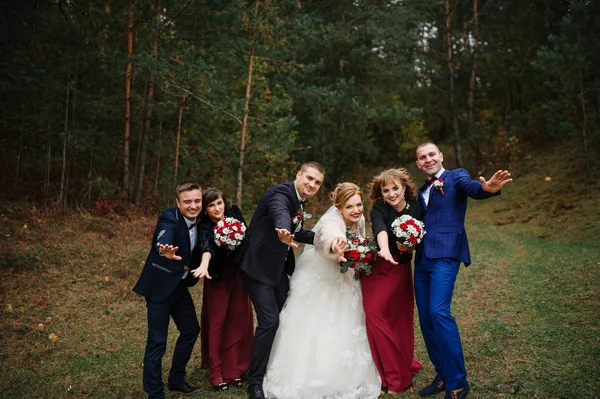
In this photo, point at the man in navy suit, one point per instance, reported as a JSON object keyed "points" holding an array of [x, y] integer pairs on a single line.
{"points": [[266, 258], [164, 283], [444, 198]]}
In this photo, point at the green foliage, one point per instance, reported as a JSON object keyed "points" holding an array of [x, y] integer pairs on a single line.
{"points": [[569, 63], [355, 85]]}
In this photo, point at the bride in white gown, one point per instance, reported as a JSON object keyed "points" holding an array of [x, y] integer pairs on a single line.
{"points": [[321, 349]]}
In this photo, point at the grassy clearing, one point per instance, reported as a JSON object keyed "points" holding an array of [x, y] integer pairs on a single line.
{"points": [[527, 308]]}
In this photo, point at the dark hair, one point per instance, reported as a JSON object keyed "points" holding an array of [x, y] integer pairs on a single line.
{"points": [[388, 176], [343, 192], [211, 194], [187, 186], [312, 164]]}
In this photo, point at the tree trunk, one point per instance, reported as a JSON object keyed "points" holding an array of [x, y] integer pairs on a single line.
{"points": [[149, 105], [19, 148], [136, 168], [159, 147], [63, 175], [178, 137], [246, 111], [584, 120], [507, 106], [90, 170], [457, 147], [128, 83], [48, 164], [471, 100]]}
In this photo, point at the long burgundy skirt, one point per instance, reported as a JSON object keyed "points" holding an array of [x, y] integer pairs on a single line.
{"points": [[388, 300], [227, 326]]}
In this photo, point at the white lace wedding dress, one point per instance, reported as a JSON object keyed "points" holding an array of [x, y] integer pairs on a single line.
{"points": [[321, 349]]}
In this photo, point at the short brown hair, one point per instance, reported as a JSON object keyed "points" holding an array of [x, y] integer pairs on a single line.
{"points": [[426, 143], [313, 164], [187, 186], [343, 192], [395, 175]]}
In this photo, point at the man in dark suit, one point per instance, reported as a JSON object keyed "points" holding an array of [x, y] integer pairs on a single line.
{"points": [[266, 258], [444, 198], [164, 283]]}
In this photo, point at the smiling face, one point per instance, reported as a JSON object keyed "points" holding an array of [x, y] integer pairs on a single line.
{"points": [[429, 159], [308, 182], [393, 194], [216, 209], [190, 203], [352, 210]]}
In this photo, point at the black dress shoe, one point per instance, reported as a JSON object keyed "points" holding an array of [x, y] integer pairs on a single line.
{"points": [[183, 388], [460, 393], [255, 392], [433, 388]]}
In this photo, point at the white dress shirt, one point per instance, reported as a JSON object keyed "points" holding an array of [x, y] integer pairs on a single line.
{"points": [[428, 189]]}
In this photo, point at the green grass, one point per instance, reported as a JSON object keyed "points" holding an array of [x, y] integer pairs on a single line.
{"points": [[527, 307]]}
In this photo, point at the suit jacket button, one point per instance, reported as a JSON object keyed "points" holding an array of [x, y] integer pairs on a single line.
{"points": [[185, 268]]}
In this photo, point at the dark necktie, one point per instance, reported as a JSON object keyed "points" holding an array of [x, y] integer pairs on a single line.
{"points": [[196, 222], [430, 180], [302, 203]]}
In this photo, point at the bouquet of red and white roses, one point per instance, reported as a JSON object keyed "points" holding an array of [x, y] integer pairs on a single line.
{"points": [[408, 230], [360, 255], [229, 232]]}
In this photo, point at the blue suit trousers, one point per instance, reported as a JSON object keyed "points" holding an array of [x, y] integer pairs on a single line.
{"points": [[434, 286]]}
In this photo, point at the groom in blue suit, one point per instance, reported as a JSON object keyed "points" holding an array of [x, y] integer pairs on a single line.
{"points": [[444, 198]]}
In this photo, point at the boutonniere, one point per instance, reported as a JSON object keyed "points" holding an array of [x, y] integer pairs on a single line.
{"points": [[298, 218], [439, 185]]}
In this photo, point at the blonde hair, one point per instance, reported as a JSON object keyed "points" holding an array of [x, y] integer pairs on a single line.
{"points": [[343, 192], [391, 176]]}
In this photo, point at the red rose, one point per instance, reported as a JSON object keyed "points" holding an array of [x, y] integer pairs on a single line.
{"points": [[412, 239], [353, 254], [403, 226]]}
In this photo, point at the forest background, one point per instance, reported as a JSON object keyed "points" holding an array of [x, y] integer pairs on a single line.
{"points": [[106, 105]]}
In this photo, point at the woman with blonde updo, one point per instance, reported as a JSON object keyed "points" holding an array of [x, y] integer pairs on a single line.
{"points": [[321, 348], [388, 298]]}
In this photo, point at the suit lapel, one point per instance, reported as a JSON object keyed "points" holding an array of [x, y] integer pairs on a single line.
{"points": [[421, 198], [295, 200], [184, 231], [436, 195]]}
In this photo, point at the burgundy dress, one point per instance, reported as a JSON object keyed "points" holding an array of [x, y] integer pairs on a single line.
{"points": [[227, 325], [388, 300]]}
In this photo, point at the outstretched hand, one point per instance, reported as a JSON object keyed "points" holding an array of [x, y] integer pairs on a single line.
{"points": [[496, 182], [168, 251], [286, 237], [385, 254], [338, 248], [201, 271]]}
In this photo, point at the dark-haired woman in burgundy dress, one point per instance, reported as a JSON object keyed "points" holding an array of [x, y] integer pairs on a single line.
{"points": [[227, 325], [388, 297]]}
